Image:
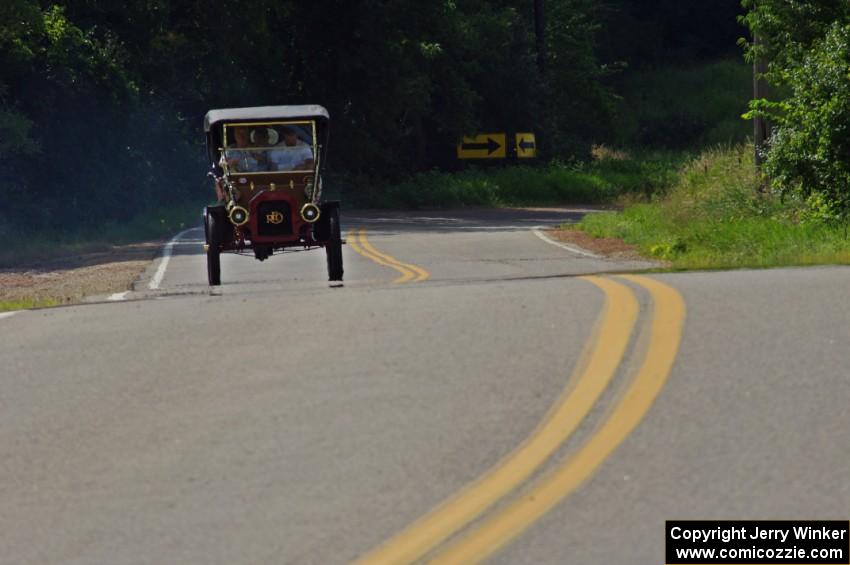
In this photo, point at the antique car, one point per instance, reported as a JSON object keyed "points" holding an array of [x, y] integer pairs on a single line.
{"points": [[266, 164]]}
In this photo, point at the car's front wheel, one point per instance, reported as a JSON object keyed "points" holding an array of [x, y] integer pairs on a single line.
{"points": [[333, 248], [214, 239]]}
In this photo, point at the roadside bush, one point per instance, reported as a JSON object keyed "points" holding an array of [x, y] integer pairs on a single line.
{"points": [[809, 151], [599, 181], [714, 217]]}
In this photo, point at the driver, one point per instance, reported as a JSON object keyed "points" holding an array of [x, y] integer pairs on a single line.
{"points": [[292, 154], [240, 158]]}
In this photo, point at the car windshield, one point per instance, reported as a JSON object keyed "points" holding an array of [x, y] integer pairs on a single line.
{"points": [[269, 147]]}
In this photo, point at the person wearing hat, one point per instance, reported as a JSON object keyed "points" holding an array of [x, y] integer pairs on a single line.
{"points": [[240, 158], [291, 154], [239, 155]]}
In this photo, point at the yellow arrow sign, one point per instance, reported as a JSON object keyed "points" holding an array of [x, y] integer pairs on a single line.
{"points": [[526, 145], [483, 146]]}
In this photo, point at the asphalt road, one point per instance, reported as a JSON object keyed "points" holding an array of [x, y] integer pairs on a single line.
{"points": [[466, 395]]}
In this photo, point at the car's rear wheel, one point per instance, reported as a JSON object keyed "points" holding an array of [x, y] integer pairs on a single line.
{"points": [[214, 238], [333, 248]]}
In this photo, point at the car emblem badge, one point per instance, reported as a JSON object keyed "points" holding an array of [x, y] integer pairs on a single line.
{"points": [[274, 218]]}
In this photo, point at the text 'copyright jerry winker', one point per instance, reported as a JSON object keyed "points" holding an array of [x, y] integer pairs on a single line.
{"points": [[744, 542]]}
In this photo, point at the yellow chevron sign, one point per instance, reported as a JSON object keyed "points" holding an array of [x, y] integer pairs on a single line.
{"points": [[483, 146], [526, 145]]}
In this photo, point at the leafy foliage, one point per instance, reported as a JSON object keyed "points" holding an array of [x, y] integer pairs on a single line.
{"points": [[598, 181], [789, 29], [101, 102], [713, 217], [809, 151]]}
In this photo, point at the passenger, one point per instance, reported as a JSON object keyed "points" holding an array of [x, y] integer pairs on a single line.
{"points": [[292, 154]]}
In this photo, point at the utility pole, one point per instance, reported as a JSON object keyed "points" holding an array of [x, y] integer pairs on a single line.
{"points": [[540, 32]]}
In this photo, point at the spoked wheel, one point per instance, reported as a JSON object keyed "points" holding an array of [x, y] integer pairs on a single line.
{"points": [[333, 248], [214, 229]]}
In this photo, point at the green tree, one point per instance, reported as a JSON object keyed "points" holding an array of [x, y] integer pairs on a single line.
{"points": [[810, 149], [101, 102], [789, 29], [579, 108], [20, 25], [806, 44]]}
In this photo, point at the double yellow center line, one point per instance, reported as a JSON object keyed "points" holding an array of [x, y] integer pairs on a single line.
{"points": [[598, 364], [409, 272]]}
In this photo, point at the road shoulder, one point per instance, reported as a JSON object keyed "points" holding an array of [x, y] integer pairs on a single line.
{"points": [[76, 278]]}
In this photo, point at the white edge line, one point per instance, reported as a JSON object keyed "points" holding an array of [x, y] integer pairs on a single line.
{"points": [[8, 314], [119, 295], [439, 228], [166, 256], [569, 248]]}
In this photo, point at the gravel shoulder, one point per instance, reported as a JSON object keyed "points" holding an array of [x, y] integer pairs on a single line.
{"points": [[608, 247], [72, 279]]}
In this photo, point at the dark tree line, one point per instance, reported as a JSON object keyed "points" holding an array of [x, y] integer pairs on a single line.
{"points": [[101, 102]]}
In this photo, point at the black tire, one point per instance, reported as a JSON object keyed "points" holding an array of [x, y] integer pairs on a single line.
{"points": [[214, 238], [333, 248]]}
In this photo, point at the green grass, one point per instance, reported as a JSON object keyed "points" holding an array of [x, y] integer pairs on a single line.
{"points": [[599, 181], [714, 218], [26, 304]]}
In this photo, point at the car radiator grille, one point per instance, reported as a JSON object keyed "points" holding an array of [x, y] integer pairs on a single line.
{"points": [[274, 218]]}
